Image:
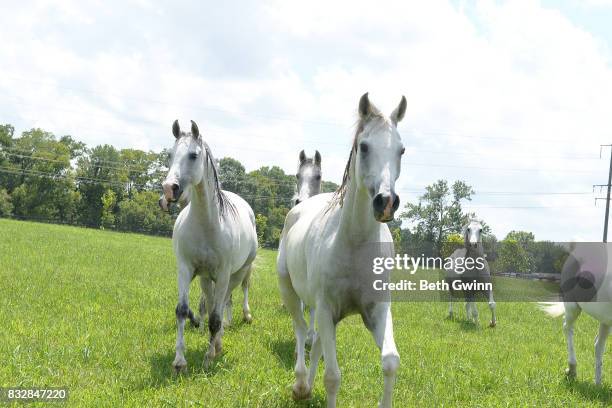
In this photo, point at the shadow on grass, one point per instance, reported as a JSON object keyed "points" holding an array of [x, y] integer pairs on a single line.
{"points": [[588, 389], [464, 324], [284, 351], [162, 373]]}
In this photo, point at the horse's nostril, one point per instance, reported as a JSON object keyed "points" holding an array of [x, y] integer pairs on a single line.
{"points": [[175, 191], [379, 202], [297, 201]]}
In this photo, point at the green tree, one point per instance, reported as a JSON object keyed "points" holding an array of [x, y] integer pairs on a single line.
{"points": [[109, 200], [512, 257], [141, 214], [439, 212], [6, 206], [261, 223], [98, 171]]}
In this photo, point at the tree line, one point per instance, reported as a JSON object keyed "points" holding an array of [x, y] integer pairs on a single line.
{"points": [[62, 180]]}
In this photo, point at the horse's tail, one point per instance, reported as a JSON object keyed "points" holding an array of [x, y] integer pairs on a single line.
{"points": [[553, 309]]}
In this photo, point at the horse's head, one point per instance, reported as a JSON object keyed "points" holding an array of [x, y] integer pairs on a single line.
{"points": [[308, 177], [186, 162], [472, 234], [378, 151]]}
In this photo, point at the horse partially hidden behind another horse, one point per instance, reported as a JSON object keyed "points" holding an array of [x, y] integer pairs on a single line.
{"points": [[214, 237], [472, 250], [317, 260], [308, 177], [308, 185]]}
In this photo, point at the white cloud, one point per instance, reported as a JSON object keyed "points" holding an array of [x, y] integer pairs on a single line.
{"points": [[264, 78]]}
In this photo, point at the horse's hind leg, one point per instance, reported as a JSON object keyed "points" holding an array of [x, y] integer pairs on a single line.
{"points": [[380, 323], [311, 328], [600, 347], [246, 282], [185, 275], [572, 311]]}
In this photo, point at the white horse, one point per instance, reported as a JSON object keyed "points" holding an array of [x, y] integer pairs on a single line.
{"points": [[599, 305], [318, 263], [214, 237], [308, 184], [473, 250]]}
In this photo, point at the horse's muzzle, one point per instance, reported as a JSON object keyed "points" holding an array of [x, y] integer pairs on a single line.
{"points": [[385, 205]]}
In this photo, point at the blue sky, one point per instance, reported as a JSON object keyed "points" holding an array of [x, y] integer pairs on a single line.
{"points": [[512, 97]]}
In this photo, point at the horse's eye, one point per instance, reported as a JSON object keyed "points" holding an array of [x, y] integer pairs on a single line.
{"points": [[364, 147], [469, 230], [318, 177], [297, 176], [403, 150], [193, 156]]}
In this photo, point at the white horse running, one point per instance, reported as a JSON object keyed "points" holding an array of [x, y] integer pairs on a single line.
{"points": [[214, 237], [472, 249], [317, 262], [600, 306]]}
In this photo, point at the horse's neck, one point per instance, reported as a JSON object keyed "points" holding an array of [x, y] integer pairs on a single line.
{"points": [[204, 206], [356, 221]]}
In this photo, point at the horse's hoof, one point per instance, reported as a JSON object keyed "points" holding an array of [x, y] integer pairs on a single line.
{"points": [[248, 318], [301, 392], [571, 371], [451, 316], [179, 365], [492, 324]]}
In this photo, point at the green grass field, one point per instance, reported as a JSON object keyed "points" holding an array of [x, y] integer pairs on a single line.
{"points": [[94, 311]]}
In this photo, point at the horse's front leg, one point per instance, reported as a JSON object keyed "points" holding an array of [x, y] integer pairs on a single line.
{"points": [[492, 307], [185, 274], [327, 333], [380, 324], [215, 317]]}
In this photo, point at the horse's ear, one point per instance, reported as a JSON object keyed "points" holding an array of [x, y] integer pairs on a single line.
{"points": [[195, 132], [364, 106], [399, 112], [176, 130], [302, 157], [317, 158]]}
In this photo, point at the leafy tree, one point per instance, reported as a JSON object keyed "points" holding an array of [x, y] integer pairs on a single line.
{"points": [[97, 172], [512, 257], [6, 206], [109, 200], [328, 186], [451, 243], [142, 214], [261, 222], [439, 212]]}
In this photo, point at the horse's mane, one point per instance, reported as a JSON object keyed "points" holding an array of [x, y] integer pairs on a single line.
{"points": [[338, 197], [222, 200]]}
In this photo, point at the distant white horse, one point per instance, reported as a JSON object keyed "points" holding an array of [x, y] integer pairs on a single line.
{"points": [[318, 262], [308, 177], [214, 237], [473, 250], [599, 306], [308, 184]]}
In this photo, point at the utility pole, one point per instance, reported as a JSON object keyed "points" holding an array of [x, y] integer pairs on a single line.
{"points": [[609, 185]]}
